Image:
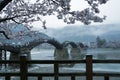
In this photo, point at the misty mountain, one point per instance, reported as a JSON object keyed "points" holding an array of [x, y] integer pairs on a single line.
{"points": [[112, 36], [85, 33]]}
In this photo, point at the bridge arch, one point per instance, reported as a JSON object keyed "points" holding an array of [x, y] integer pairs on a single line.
{"points": [[73, 44], [59, 52], [81, 45], [53, 42], [76, 50]]}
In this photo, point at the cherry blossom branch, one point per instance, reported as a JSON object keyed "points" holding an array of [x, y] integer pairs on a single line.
{"points": [[20, 11], [12, 18]]}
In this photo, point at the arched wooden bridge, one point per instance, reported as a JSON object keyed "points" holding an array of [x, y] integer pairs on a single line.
{"points": [[28, 41]]}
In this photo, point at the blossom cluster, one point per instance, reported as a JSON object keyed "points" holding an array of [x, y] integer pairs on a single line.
{"points": [[26, 12]]}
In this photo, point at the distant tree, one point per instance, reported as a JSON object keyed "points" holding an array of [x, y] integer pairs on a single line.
{"points": [[100, 42], [27, 11]]}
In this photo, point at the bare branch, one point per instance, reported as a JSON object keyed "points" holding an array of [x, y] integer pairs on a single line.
{"points": [[11, 18], [16, 21], [3, 32]]}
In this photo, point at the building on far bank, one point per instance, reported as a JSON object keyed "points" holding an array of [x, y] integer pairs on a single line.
{"points": [[93, 45]]}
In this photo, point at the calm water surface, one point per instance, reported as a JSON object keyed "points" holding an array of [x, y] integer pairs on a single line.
{"points": [[47, 54]]}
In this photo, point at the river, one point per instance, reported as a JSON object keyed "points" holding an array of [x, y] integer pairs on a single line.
{"points": [[47, 54]]}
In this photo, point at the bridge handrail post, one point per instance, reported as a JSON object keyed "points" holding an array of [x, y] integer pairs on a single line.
{"points": [[106, 77], [0, 59], [23, 67], [89, 67], [56, 71], [7, 77]]}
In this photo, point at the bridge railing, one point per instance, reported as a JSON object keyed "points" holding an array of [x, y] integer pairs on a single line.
{"points": [[89, 73]]}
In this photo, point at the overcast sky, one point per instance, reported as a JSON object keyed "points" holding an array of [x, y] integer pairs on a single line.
{"points": [[111, 10]]}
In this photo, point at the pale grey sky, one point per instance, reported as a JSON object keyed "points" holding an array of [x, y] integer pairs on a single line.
{"points": [[111, 10]]}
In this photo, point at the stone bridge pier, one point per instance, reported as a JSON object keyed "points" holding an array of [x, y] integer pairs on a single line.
{"points": [[61, 54], [76, 53], [16, 56]]}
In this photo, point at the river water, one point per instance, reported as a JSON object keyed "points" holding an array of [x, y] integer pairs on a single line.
{"points": [[47, 54]]}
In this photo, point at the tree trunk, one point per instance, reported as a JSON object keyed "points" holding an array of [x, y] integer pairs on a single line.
{"points": [[4, 3]]}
